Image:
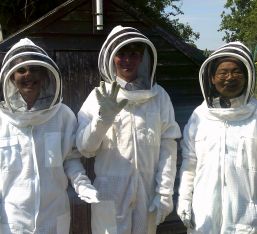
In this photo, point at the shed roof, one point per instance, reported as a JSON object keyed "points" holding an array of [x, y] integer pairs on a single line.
{"points": [[194, 54]]}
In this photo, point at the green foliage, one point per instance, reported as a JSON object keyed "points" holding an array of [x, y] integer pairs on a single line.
{"points": [[207, 53], [158, 6], [163, 11], [239, 21]]}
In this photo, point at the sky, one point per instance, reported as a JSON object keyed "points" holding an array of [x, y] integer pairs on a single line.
{"points": [[204, 17]]}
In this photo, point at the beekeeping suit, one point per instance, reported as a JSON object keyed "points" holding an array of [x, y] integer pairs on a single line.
{"points": [[218, 191], [133, 141], [36, 146]]}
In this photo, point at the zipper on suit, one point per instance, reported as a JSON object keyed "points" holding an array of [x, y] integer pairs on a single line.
{"points": [[223, 174], [134, 140], [134, 136], [37, 179], [225, 151]]}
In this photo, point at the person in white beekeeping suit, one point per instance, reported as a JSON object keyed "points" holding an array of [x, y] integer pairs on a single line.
{"points": [[131, 131], [218, 175], [37, 146]]}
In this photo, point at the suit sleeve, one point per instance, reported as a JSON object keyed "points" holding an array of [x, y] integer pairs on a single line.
{"points": [[92, 128], [170, 131], [188, 167]]}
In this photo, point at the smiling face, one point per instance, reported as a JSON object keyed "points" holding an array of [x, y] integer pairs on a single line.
{"points": [[229, 79], [127, 61], [28, 80]]}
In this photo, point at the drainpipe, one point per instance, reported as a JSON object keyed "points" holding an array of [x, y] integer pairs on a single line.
{"points": [[1, 33], [99, 14]]}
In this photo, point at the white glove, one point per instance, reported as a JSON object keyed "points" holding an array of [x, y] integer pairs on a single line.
{"points": [[162, 207], [184, 212], [88, 193], [109, 107]]}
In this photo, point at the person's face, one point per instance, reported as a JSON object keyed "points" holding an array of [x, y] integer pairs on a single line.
{"points": [[126, 63], [229, 80], [28, 80]]}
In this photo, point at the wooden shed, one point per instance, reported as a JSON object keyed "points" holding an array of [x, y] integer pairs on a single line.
{"points": [[68, 33]]}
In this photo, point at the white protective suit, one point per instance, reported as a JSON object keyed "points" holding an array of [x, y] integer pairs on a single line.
{"points": [[135, 155], [218, 187], [36, 150]]}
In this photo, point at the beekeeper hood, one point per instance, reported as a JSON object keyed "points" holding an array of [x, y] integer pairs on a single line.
{"points": [[237, 52], [27, 70], [119, 39]]}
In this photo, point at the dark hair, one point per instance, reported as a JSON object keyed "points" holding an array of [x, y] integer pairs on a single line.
{"points": [[133, 46], [215, 63]]}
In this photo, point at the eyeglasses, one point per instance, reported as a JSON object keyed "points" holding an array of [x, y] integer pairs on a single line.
{"points": [[222, 75], [23, 70]]}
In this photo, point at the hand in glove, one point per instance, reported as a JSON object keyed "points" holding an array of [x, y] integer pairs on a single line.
{"points": [[184, 213], [88, 193], [109, 106], [162, 207]]}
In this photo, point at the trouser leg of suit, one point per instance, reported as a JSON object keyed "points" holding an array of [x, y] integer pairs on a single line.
{"points": [[140, 216], [125, 212], [112, 215], [105, 220], [143, 222]]}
